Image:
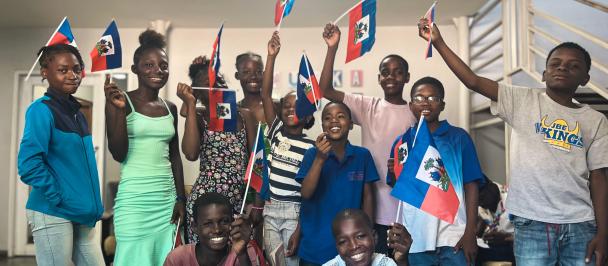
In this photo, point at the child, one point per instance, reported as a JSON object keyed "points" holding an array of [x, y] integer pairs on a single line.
{"points": [[249, 68], [216, 228], [142, 136], [558, 188], [381, 120], [355, 241], [288, 145], [223, 155], [335, 175], [436, 241], [56, 158]]}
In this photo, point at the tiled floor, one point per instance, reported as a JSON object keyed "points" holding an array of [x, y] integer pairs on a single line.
{"points": [[18, 261]]}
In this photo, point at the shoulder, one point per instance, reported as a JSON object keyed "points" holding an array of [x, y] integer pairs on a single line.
{"points": [[39, 107]]}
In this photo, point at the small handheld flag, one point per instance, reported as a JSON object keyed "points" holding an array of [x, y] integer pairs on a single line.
{"points": [[430, 17], [282, 10], [107, 53], [308, 94], [424, 182], [361, 29], [257, 175], [214, 61], [222, 110]]}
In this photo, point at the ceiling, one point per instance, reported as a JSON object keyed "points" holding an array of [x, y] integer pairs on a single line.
{"points": [[210, 13]]}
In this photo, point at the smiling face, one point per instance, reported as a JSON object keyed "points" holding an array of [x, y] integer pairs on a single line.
{"points": [[63, 73], [288, 110], [392, 77], [566, 70], [426, 100], [152, 69], [336, 121], [355, 242], [213, 226], [250, 75]]}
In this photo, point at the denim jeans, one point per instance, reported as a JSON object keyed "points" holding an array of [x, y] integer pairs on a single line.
{"points": [[440, 256], [280, 221], [62, 242], [538, 243]]}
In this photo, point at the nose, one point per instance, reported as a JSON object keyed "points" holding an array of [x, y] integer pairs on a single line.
{"points": [[352, 244], [216, 228]]}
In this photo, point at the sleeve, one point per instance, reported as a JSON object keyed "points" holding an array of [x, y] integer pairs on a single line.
{"points": [[597, 155], [272, 130], [510, 98], [309, 157], [471, 169], [371, 173], [359, 106], [33, 151]]}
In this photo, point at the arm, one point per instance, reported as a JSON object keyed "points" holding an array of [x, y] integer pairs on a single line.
{"points": [[179, 210], [468, 242], [311, 180], [484, 86], [191, 142], [274, 46], [368, 200], [116, 121], [331, 35], [598, 246]]}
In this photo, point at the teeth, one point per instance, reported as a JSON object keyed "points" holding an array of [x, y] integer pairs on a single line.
{"points": [[358, 257], [335, 129], [217, 239]]}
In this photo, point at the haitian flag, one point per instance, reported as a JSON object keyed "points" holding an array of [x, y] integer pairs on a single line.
{"points": [[399, 155], [281, 10], [430, 17], [107, 53], [257, 175], [361, 29], [424, 182], [308, 93], [222, 110], [63, 34], [214, 61]]}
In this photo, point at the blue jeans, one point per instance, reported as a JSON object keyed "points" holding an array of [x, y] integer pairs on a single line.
{"points": [[280, 221], [440, 256], [62, 242], [538, 243]]}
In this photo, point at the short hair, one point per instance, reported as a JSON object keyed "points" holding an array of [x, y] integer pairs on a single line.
{"points": [[248, 55], [310, 122], [147, 40], [430, 81], [401, 60], [197, 69], [350, 214], [572, 45], [350, 116], [47, 53], [207, 199]]}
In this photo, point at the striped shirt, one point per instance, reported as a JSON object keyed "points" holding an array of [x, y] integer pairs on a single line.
{"points": [[286, 154]]}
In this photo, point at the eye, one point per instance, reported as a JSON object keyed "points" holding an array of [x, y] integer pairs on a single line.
{"points": [[361, 236], [63, 71]]}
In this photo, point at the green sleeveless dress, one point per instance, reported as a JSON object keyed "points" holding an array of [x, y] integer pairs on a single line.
{"points": [[146, 192]]}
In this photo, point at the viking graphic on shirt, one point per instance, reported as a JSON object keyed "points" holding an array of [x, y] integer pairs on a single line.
{"points": [[559, 135]]}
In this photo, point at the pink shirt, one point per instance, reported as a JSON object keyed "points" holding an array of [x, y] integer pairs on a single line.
{"points": [[185, 255], [381, 122]]}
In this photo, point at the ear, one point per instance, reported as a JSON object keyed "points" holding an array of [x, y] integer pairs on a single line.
{"points": [[134, 69], [350, 127], [543, 78], [585, 80], [407, 77], [236, 76], [43, 72], [375, 234], [442, 105], [378, 78]]}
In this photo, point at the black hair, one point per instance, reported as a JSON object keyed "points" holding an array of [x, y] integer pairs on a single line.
{"points": [[489, 195], [207, 199], [572, 45], [347, 214], [248, 55], [430, 81], [49, 52], [147, 40], [350, 116], [310, 122], [197, 69], [401, 60]]}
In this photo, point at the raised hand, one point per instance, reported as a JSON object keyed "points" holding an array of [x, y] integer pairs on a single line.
{"points": [[240, 232], [426, 30], [199, 60], [400, 240], [274, 45], [185, 93], [331, 35], [113, 94], [323, 146]]}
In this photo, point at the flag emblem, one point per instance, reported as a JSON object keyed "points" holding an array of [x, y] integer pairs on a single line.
{"points": [[223, 111], [362, 30], [105, 46]]}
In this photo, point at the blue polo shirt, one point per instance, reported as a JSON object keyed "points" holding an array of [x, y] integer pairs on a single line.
{"points": [[340, 187]]}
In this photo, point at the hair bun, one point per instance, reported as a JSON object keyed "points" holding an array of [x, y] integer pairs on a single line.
{"points": [[151, 38]]}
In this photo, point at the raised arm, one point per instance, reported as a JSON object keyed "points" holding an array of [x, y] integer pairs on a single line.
{"points": [[191, 141], [484, 86], [311, 180], [116, 120], [331, 35], [274, 46]]}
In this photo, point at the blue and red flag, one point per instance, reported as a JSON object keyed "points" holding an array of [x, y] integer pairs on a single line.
{"points": [[222, 110], [63, 34], [430, 17], [214, 61], [257, 168], [282, 10], [308, 93], [107, 53], [424, 182], [361, 29]]}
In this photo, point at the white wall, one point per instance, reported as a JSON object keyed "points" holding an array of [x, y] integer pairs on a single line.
{"points": [[18, 53]]}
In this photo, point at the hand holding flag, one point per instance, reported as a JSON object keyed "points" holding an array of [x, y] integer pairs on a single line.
{"points": [[331, 35], [430, 18]]}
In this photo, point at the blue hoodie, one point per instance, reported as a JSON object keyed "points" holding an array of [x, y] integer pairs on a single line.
{"points": [[57, 159]]}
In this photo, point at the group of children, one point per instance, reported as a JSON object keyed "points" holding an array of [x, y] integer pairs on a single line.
{"points": [[330, 201]]}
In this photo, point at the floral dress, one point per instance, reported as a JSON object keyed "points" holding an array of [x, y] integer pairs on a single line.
{"points": [[223, 160]]}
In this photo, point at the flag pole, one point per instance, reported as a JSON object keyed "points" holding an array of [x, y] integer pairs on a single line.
{"points": [[47, 43], [398, 212], [250, 169], [176, 233], [345, 13], [314, 96], [281, 20]]}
